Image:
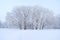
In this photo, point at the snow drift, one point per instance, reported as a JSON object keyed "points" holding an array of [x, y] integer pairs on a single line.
{"points": [[16, 34]]}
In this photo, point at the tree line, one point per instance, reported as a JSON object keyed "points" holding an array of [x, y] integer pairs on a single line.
{"points": [[27, 17]]}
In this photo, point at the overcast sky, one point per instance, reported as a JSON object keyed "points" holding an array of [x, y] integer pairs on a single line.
{"points": [[7, 5]]}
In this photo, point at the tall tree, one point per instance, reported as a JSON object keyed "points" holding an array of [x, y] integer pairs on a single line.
{"points": [[30, 18]]}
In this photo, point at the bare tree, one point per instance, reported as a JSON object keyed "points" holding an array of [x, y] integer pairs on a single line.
{"points": [[30, 18]]}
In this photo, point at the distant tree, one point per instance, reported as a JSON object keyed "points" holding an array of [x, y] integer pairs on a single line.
{"points": [[57, 21], [30, 18], [0, 24]]}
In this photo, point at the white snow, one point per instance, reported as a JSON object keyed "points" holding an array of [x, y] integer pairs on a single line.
{"points": [[16, 34]]}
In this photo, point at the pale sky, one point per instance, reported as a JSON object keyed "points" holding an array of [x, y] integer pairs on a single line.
{"points": [[7, 5]]}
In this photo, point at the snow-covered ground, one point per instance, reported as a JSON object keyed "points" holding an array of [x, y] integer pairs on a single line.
{"points": [[16, 34]]}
